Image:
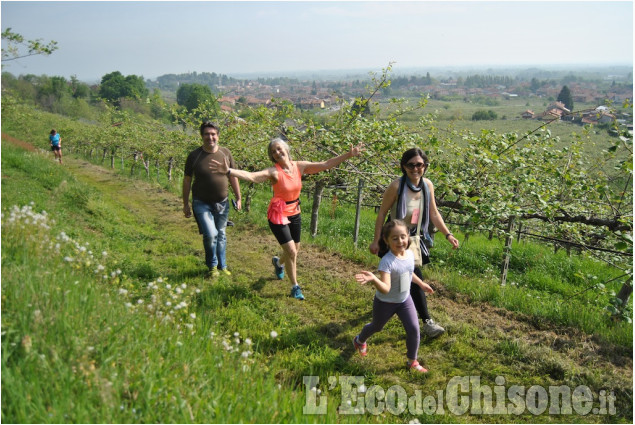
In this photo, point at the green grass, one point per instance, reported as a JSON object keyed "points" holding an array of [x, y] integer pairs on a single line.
{"points": [[457, 115], [95, 354], [542, 284], [80, 342]]}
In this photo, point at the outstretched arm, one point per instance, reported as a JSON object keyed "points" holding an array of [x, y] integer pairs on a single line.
{"points": [[254, 177], [382, 284], [315, 167]]}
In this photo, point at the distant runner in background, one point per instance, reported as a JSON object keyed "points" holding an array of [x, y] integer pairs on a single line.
{"points": [[56, 144], [209, 197], [284, 208]]}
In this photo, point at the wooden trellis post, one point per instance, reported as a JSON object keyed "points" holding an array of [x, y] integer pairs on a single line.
{"points": [[508, 250], [360, 190], [317, 199]]}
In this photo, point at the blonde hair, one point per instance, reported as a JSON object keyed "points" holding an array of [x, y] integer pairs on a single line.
{"points": [[284, 144]]}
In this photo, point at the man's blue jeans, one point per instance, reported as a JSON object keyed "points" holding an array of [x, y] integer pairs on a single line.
{"points": [[212, 222]]}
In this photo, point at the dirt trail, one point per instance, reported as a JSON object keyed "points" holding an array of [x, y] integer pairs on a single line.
{"points": [[253, 246]]}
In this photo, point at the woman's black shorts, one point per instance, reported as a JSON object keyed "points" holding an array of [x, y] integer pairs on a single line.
{"points": [[288, 232]]}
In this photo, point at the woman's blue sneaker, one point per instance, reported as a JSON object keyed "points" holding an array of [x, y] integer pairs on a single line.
{"points": [[279, 270], [296, 293]]}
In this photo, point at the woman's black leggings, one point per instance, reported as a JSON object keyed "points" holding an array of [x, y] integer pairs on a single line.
{"points": [[419, 298]]}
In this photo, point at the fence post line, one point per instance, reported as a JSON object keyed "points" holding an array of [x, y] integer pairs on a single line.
{"points": [[317, 198], [520, 228], [508, 249], [360, 190], [170, 167]]}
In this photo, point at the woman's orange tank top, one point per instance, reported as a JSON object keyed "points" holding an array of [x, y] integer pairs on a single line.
{"points": [[288, 188]]}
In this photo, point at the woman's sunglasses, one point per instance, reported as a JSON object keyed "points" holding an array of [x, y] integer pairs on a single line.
{"points": [[412, 166]]}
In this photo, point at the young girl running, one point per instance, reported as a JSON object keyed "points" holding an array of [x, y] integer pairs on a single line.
{"points": [[393, 292]]}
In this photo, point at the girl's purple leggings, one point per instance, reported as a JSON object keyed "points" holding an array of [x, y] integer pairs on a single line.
{"points": [[383, 311]]}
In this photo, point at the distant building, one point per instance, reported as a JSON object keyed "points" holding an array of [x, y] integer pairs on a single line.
{"points": [[528, 115], [601, 115], [555, 111]]}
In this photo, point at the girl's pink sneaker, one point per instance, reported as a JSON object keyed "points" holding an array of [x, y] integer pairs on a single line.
{"points": [[362, 348]]}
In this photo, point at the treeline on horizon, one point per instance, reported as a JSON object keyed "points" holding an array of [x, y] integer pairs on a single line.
{"points": [[622, 76], [78, 99]]}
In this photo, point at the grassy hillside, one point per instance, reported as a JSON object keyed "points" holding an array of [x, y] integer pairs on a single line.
{"points": [[107, 318]]}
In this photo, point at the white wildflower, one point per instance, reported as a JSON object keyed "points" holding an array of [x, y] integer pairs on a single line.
{"points": [[273, 334]]}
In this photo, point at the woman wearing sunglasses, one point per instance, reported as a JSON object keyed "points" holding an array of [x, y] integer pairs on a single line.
{"points": [[402, 200]]}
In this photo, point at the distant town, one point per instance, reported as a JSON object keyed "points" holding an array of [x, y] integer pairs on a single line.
{"points": [[612, 85]]}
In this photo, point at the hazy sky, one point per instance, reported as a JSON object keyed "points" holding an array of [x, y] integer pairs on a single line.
{"points": [[152, 38]]}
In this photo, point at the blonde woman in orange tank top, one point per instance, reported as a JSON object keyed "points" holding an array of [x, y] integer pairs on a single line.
{"points": [[284, 208]]}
